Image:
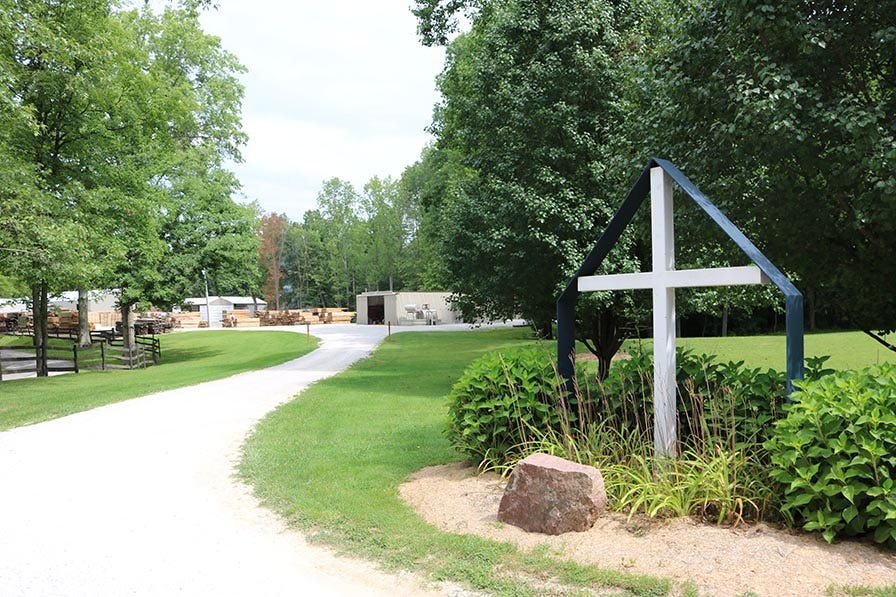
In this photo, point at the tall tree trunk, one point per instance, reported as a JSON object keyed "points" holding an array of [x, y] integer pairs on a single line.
{"points": [[127, 330], [543, 328], [39, 312], [725, 322], [603, 335], [810, 300], [84, 339], [277, 290]]}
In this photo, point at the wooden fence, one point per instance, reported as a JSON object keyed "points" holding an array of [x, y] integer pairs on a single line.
{"points": [[106, 353], [22, 358]]}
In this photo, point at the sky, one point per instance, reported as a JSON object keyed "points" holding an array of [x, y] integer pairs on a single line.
{"points": [[334, 88]]}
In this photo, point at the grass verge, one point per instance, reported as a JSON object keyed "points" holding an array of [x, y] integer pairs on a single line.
{"points": [[848, 350], [331, 463], [187, 359]]}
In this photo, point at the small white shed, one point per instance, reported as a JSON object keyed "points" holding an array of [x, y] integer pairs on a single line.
{"points": [[405, 308], [217, 305]]}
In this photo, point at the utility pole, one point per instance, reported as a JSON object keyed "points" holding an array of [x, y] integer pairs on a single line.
{"points": [[208, 313]]}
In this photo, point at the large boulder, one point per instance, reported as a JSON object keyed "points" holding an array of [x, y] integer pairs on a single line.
{"points": [[551, 495]]}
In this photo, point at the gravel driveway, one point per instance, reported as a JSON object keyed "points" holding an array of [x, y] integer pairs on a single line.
{"points": [[137, 498]]}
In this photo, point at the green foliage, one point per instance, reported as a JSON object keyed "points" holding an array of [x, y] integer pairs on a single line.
{"points": [[861, 591], [510, 404], [835, 454], [728, 404], [529, 106], [719, 486], [353, 242], [116, 125], [499, 398], [388, 418], [784, 114]]}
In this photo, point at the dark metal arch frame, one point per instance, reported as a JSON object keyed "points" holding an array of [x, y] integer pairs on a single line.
{"points": [[566, 303]]}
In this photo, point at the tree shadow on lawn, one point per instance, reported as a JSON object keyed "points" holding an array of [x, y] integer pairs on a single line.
{"points": [[174, 356]]}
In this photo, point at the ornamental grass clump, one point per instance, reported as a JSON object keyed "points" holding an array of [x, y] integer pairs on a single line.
{"points": [[835, 455], [725, 403]]}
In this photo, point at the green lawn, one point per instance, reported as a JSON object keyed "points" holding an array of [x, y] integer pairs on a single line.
{"points": [[187, 359], [331, 462], [848, 350]]}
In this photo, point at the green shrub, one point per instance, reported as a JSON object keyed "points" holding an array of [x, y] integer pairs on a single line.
{"points": [[835, 454], [500, 396], [503, 397]]}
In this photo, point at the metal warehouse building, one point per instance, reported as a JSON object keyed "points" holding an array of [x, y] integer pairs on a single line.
{"points": [[405, 308]]}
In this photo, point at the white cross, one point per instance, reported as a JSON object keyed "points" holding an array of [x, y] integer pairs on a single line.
{"points": [[664, 279]]}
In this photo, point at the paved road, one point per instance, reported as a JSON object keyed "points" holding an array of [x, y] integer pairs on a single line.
{"points": [[137, 498]]}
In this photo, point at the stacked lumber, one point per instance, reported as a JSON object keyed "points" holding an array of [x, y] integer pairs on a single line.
{"points": [[241, 319], [338, 315], [64, 321], [318, 315], [156, 322], [104, 318], [287, 317], [187, 319]]}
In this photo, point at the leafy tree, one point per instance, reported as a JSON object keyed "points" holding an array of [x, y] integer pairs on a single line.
{"points": [[272, 230], [530, 110], [342, 235], [297, 259], [117, 111], [62, 62], [385, 234], [190, 123], [786, 113], [438, 20], [317, 275], [205, 230], [427, 187]]}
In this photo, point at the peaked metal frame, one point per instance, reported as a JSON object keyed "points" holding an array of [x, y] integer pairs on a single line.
{"points": [[566, 303]]}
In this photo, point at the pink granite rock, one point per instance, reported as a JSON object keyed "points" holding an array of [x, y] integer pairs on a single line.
{"points": [[550, 495]]}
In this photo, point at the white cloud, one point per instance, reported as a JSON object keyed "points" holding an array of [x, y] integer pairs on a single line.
{"points": [[339, 88]]}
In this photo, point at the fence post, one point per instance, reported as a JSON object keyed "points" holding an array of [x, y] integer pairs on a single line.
{"points": [[75, 351], [103, 355]]}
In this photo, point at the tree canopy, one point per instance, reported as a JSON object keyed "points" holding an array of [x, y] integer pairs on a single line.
{"points": [[783, 113], [787, 112], [116, 124], [525, 134]]}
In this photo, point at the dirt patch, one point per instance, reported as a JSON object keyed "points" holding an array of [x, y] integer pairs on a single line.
{"points": [[720, 561]]}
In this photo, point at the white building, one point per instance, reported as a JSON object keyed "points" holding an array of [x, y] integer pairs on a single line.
{"points": [[13, 305], [405, 308], [217, 305], [97, 300]]}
